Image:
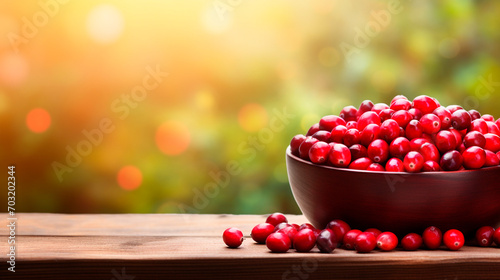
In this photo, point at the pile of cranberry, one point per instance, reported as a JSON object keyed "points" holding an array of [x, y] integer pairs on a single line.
{"points": [[411, 136], [280, 236]]}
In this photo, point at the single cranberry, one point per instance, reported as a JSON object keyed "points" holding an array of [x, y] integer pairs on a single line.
{"points": [[319, 152], [458, 136], [389, 130], [369, 133], [488, 117], [330, 122], [425, 104], [378, 151], [416, 143], [365, 242], [400, 104], [430, 166], [358, 151], [233, 237], [322, 135], [474, 114], [375, 167], [415, 113], [368, 118], [444, 115], [351, 137], [386, 114], [304, 240], [445, 141], [306, 146], [313, 129], [460, 119], [379, 107], [496, 236], [451, 161], [430, 123], [340, 156], [349, 113], [291, 231], [350, 238], [474, 138], [492, 142], [365, 106], [399, 147], [374, 231], [261, 231], [413, 162], [474, 157], [394, 165], [339, 228], [491, 159], [278, 242], [295, 143], [479, 125], [351, 124], [326, 241], [414, 130], [397, 97], [411, 242], [281, 226], [453, 239], [306, 225], [360, 163], [429, 152], [276, 218], [493, 128], [454, 108], [337, 134], [387, 241], [432, 237], [402, 118], [484, 236]]}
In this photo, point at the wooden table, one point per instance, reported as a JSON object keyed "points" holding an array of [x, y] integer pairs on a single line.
{"points": [[172, 246]]}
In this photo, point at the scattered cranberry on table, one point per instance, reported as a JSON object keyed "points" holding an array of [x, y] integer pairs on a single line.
{"points": [[278, 242], [387, 241], [304, 240], [365, 242], [432, 237], [484, 236], [453, 239], [261, 231], [411, 242], [233, 237], [276, 218]]}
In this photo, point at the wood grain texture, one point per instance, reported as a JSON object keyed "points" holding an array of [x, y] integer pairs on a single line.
{"points": [[171, 246]]}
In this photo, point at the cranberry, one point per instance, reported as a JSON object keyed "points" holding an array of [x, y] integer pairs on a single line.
{"points": [[458, 136], [322, 135], [474, 138], [496, 236], [492, 142], [416, 143], [399, 147], [429, 137], [365, 242], [425, 104], [340, 156], [474, 114], [445, 141], [398, 97], [484, 236], [296, 226], [387, 241], [261, 231], [358, 151], [350, 238], [330, 122], [368, 118], [414, 130], [430, 123], [415, 113], [374, 231], [400, 104], [233, 237], [314, 128], [432, 237], [491, 159], [376, 167], [351, 124], [351, 137], [291, 231], [430, 166], [429, 152], [411, 242], [386, 114], [389, 130], [306, 225], [454, 108], [379, 107], [326, 241], [365, 106], [444, 115], [451, 161], [319, 152], [402, 118], [493, 128], [306, 146], [394, 165], [349, 113], [278, 242], [479, 125], [361, 163], [295, 143], [304, 240], [453, 239], [276, 218], [281, 226], [369, 133], [413, 162], [339, 228], [337, 134], [378, 151], [474, 157], [488, 117], [460, 119]]}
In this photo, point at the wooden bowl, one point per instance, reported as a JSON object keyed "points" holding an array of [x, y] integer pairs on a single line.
{"points": [[397, 202]]}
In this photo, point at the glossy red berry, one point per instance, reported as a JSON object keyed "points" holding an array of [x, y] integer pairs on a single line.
{"points": [[415, 113], [378, 151], [453, 239], [416, 143], [351, 137], [425, 104], [349, 113], [369, 133], [291, 231], [304, 240], [399, 147], [397, 97], [402, 118], [351, 124], [474, 138], [375, 167], [445, 141], [276, 218], [306, 146], [365, 106], [445, 117], [261, 231], [337, 134], [358, 151], [454, 108], [365, 242], [322, 135], [233, 237], [350, 238], [496, 237], [484, 236], [385, 114], [413, 162], [339, 156], [360, 163], [488, 117], [278, 242], [339, 228], [474, 157], [306, 225], [430, 123], [318, 153], [451, 161], [374, 231], [411, 242], [295, 143], [330, 122], [460, 119], [414, 130], [389, 130], [400, 104], [394, 165], [430, 166], [432, 237], [458, 136], [281, 226], [326, 241], [313, 129], [368, 118], [387, 241], [491, 159], [479, 125], [493, 128], [379, 107], [492, 142], [429, 152], [474, 114]]}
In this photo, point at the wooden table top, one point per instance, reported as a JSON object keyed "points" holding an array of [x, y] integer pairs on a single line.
{"points": [[178, 246]]}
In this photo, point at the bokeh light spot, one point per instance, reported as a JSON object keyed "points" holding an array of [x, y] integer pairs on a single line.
{"points": [[13, 69], [105, 24], [38, 120], [172, 138], [129, 177], [204, 100], [328, 57], [252, 117], [449, 48]]}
